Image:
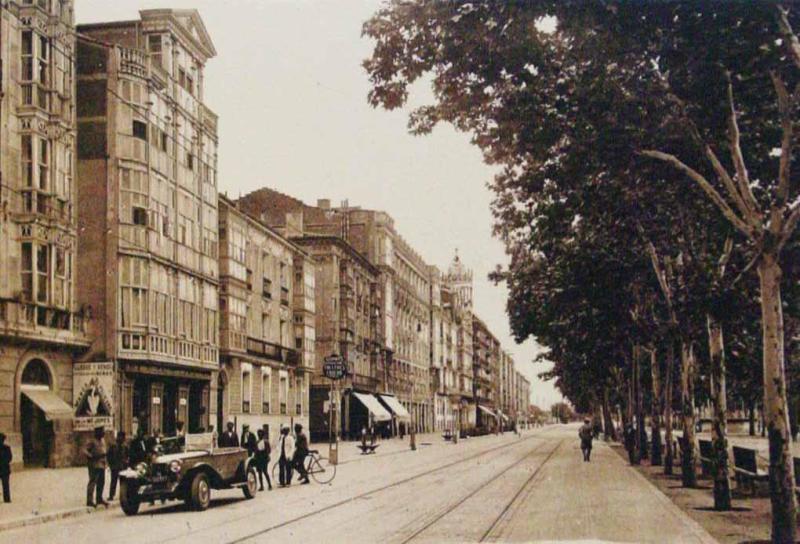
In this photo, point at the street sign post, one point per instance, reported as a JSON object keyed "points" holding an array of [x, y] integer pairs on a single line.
{"points": [[334, 368]]}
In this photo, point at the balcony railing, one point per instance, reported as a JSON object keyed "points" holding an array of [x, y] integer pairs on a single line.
{"points": [[272, 351], [56, 325]]}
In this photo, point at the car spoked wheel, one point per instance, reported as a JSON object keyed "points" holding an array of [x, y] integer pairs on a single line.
{"points": [[251, 487], [201, 492]]}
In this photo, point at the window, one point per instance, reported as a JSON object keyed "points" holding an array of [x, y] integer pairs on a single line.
{"points": [[266, 391], [265, 326], [139, 216], [283, 393], [140, 130], [299, 393], [189, 160], [27, 271], [27, 160], [155, 48], [133, 286], [164, 139], [247, 387], [42, 273]]}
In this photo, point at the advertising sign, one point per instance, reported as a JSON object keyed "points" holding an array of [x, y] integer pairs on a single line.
{"points": [[93, 394], [334, 367]]}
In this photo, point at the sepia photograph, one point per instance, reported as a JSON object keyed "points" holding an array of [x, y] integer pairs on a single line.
{"points": [[399, 271]]}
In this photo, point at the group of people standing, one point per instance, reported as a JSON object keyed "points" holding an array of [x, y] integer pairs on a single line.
{"points": [[292, 450]]}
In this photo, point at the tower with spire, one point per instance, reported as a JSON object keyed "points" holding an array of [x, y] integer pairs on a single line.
{"points": [[459, 281]]}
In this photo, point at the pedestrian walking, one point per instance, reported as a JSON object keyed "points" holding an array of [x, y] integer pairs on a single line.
{"points": [[301, 451], [262, 459], [5, 468], [364, 436], [586, 435], [117, 462], [248, 440], [137, 451], [96, 461], [286, 449], [229, 438]]}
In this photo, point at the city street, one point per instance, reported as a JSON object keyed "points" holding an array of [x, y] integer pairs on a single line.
{"points": [[493, 488]]}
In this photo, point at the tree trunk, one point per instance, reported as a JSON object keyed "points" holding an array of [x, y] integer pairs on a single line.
{"points": [[751, 415], [781, 471], [609, 432], [719, 426], [641, 430], [655, 417], [668, 451], [688, 468]]}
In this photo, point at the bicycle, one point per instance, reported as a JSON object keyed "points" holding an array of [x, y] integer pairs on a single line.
{"points": [[316, 466]]}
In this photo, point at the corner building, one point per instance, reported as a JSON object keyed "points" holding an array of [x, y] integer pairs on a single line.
{"points": [[147, 171], [42, 326]]}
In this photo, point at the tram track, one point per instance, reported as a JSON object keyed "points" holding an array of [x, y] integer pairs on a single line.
{"points": [[359, 496], [438, 517]]}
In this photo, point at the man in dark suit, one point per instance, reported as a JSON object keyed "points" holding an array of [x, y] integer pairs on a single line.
{"points": [[117, 461], [5, 468], [248, 440], [300, 452], [229, 438], [137, 452]]}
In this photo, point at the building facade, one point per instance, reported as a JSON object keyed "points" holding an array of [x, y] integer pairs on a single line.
{"points": [[486, 362], [42, 325], [267, 338], [147, 160]]}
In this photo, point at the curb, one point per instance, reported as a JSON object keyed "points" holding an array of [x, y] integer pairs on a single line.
{"points": [[48, 517]]}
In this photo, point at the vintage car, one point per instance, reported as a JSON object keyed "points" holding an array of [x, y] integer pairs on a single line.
{"points": [[187, 470]]}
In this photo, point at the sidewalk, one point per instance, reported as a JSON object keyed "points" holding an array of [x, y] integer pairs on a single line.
{"points": [[601, 501], [42, 495]]}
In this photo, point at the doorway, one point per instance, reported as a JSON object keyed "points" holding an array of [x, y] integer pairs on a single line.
{"points": [[170, 407], [37, 432]]}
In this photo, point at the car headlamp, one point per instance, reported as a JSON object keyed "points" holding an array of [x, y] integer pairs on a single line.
{"points": [[175, 466], [141, 470]]}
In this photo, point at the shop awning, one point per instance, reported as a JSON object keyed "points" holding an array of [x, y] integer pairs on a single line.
{"points": [[397, 409], [50, 403], [378, 412], [485, 410], [502, 415]]}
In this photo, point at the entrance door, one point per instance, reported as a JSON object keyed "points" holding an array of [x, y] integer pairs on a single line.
{"points": [[141, 405], [196, 408], [170, 409], [37, 434]]}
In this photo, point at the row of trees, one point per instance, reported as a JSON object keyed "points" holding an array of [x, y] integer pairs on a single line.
{"points": [[647, 195]]}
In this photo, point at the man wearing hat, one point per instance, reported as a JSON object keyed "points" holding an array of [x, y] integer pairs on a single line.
{"points": [[229, 438], [248, 440], [5, 468], [286, 451], [96, 459]]}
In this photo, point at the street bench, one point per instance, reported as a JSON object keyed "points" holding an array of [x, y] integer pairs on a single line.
{"points": [[707, 456], [746, 468], [447, 434], [366, 449]]}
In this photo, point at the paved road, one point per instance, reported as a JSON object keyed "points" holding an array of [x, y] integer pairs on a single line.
{"points": [[488, 489]]}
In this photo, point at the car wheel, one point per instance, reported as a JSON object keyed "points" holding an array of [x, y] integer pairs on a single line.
{"points": [[129, 498], [251, 485], [200, 495]]}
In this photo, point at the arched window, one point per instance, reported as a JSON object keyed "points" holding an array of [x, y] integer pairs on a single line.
{"points": [[36, 374]]}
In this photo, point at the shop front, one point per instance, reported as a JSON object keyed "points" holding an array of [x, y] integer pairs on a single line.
{"points": [[156, 398]]}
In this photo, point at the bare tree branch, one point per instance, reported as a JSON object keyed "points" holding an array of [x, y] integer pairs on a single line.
{"points": [[727, 211], [789, 226], [792, 43], [727, 250], [742, 177], [787, 126]]}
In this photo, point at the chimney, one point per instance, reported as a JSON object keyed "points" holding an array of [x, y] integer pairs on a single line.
{"points": [[324, 203]]}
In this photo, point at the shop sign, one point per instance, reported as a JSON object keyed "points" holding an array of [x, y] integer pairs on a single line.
{"points": [[93, 394]]}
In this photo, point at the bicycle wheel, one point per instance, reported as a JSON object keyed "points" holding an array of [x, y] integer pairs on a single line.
{"points": [[321, 470]]}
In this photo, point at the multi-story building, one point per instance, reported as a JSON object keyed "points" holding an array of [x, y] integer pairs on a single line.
{"points": [[147, 161], [401, 292], [42, 326], [486, 354], [457, 292], [523, 398], [267, 312], [505, 405]]}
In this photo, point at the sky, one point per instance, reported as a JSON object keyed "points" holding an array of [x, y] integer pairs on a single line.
{"points": [[288, 86]]}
